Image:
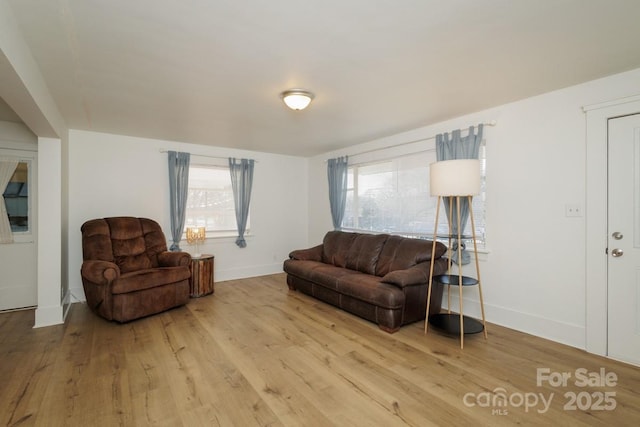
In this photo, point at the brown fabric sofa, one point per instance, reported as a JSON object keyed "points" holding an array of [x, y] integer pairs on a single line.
{"points": [[381, 278], [127, 272]]}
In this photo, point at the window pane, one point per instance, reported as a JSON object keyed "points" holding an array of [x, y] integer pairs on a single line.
{"points": [[375, 196], [16, 199], [349, 219], [393, 196], [210, 200]]}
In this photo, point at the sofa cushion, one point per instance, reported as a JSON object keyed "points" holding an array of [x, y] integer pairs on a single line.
{"points": [[329, 275], [364, 252], [317, 272], [368, 288], [145, 279], [335, 246], [301, 268], [400, 253], [133, 262]]}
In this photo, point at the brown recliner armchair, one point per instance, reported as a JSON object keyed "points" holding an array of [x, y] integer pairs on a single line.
{"points": [[127, 272]]}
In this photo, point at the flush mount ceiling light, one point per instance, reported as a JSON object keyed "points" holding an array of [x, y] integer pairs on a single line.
{"points": [[297, 99]]}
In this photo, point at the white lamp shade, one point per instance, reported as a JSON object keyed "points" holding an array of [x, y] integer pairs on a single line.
{"points": [[455, 177], [297, 99]]}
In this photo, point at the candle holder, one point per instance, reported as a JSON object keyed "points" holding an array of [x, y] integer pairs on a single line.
{"points": [[196, 235]]}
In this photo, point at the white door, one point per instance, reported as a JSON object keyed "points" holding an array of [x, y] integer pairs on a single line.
{"points": [[18, 260], [623, 291]]}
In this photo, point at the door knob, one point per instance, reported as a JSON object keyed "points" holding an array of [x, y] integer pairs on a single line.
{"points": [[617, 235], [617, 253]]}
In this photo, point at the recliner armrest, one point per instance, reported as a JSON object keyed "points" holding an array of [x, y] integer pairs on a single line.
{"points": [[100, 272], [174, 259], [311, 254], [416, 275]]}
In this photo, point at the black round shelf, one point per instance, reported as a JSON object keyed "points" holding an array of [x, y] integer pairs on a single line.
{"points": [[453, 279], [450, 323]]}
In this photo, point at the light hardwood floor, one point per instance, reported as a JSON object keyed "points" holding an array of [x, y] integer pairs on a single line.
{"points": [[255, 353]]}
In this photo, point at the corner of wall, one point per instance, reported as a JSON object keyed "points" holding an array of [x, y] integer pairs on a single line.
{"points": [[48, 316]]}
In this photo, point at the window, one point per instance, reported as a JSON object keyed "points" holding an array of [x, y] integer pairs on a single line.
{"points": [[16, 198], [210, 201], [392, 196]]}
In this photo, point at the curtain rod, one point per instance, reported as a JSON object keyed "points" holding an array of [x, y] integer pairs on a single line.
{"points": [[164, 150], [490, 123]]}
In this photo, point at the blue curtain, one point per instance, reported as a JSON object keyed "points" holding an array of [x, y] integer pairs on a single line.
{"points": [[178, 191], [451, 148], [241, 182], [337, 174]]}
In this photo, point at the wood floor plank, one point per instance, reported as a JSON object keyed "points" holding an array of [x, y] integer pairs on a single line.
{"points": [[30, 358], [256, 354], [247, 356]]}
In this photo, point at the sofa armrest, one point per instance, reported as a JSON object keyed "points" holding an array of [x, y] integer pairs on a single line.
{"points": [[311, 254], [100, 272], [416, 275], [174, 259]]}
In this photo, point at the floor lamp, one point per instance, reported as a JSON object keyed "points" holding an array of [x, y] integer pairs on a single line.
{"points": [[456, 180]]}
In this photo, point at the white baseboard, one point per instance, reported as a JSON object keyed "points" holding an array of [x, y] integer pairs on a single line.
{"points": [[66, 304], [76, 295], [246, 272], [48, 316], [561, 332]]}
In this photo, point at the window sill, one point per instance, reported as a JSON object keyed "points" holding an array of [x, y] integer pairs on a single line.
{"points": [[483, 254], [221, 236], [228, 236], [23, 237]]}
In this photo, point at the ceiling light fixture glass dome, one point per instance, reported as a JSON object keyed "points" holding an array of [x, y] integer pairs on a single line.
{"points": [[297, 99]]}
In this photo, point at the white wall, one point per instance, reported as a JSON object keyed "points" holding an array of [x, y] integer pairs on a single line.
{"points": [[534, 274], [112, 175]]}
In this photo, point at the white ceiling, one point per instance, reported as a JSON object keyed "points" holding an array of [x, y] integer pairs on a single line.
{"points": [[7, 114], [211, 71]]}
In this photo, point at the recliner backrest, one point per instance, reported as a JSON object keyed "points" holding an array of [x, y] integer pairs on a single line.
{"points": [[131, 243]]}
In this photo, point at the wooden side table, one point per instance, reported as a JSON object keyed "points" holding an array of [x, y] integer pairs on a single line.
{"points": [[201, 282]]}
